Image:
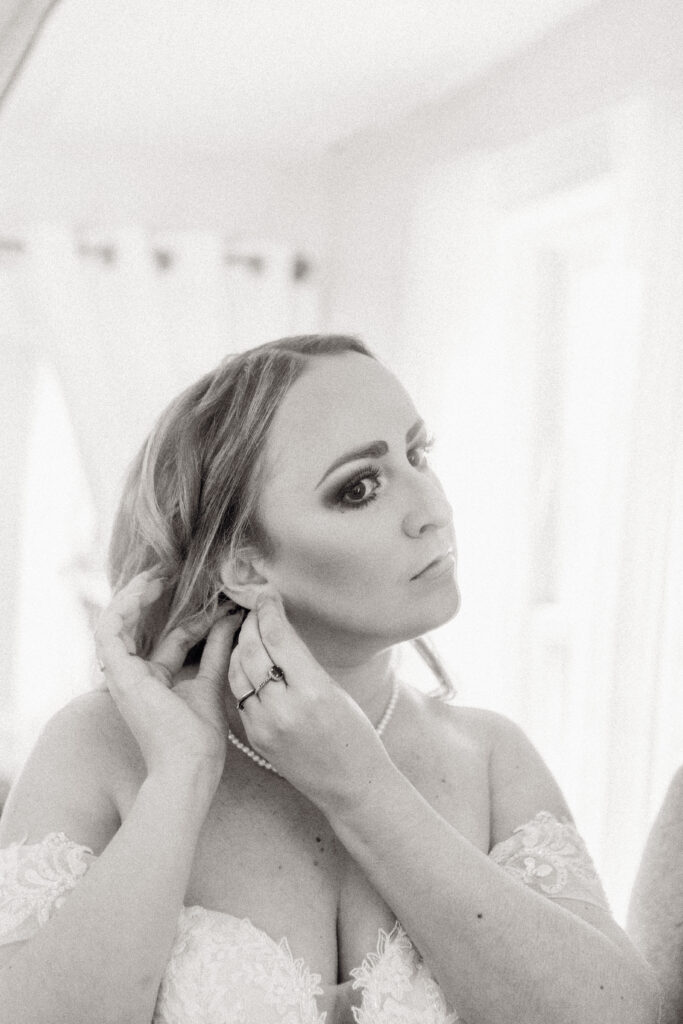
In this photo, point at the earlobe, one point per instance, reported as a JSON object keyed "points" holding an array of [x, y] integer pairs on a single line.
{"points": [[242, 578]]}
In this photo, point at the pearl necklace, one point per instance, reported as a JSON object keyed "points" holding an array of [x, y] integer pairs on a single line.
{"points": [[261, 761]]}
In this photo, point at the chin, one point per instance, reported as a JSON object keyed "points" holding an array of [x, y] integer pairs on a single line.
{"points": [[432, 613], [448, 607]]}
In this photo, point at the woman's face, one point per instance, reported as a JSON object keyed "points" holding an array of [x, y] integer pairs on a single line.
{"points": [[353, 510]]}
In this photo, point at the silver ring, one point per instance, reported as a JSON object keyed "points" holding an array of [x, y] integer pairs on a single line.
{"points": [[241, 702], [275, 674]]}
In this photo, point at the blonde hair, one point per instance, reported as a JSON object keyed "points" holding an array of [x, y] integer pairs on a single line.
{"points": [[191, 495]]}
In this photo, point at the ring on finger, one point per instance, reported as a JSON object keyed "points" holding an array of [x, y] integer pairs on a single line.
{"points": [[275, 674], [244, 698]]}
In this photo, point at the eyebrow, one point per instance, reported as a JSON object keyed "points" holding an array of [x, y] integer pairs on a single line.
{"points": [[374, 450]]}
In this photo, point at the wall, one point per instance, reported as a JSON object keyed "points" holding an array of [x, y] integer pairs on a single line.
{"points": [[597, 58], [415, 253], [95, 186], [111, 196]]}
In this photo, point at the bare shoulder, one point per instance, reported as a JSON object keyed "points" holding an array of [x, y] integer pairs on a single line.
{"points": [[478, 724], [474, 728], [432, 720], [466, 733], [72, 782], [520, 782]]}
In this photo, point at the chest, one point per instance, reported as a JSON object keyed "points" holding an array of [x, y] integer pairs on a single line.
{"points": [[266, 854]]}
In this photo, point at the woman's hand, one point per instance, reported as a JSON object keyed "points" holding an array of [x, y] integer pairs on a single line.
{"points": [[306, 725], [181, 727]]}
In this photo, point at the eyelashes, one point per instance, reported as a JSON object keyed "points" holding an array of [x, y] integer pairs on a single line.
{"points": [[345, 497], [355, 483]]}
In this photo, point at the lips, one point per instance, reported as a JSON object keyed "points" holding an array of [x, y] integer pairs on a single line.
{"points": [[440, 564]]}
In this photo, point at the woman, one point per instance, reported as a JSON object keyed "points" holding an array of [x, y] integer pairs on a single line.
{"points": [[655, 919], [235, 841]]}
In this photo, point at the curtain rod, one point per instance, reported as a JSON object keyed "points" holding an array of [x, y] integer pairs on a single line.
{"points": [[164, 256]]}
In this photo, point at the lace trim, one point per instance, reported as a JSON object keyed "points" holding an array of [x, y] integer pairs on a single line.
{"points": [[396, 985], [34, 885], [551, 857], [264, 976]]}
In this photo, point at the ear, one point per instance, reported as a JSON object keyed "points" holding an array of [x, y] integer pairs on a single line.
{"points": [[242, 577]]}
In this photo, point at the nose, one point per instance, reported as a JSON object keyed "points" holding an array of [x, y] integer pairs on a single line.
{"points": [[430, 509]]}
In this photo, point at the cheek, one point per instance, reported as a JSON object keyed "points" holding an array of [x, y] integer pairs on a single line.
{"points": [[353, 572], [336, 562]]}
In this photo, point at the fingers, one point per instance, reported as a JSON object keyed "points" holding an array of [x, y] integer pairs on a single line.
{"points": [[171, 651], [280, 640], [238, 680], [254, 659], [115, 633], [112, 651], [217, 654]]}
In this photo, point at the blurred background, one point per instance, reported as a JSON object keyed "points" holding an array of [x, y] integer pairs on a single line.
{"points": [[491, 195]]}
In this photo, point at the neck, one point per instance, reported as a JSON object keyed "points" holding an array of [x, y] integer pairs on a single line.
{"points": [[366, 675], [368, 682], [359, 665]]}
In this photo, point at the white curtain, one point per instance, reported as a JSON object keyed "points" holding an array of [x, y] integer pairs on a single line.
{"points": [[97, 333], [545, 283]]}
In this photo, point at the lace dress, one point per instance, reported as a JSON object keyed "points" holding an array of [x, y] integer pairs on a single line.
{"points": [[225, 970]]}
